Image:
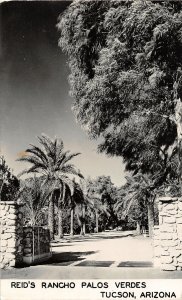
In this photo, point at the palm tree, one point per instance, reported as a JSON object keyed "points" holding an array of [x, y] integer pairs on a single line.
{"points": [[93, 203], [35, 197], [53, 163], [139, 189], [74, 201]]}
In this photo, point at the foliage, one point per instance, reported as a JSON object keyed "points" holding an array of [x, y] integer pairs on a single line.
{"points": [[125, 61], [35, 197], [53, 163], [100, 195], [137, 200], [9, 184]]}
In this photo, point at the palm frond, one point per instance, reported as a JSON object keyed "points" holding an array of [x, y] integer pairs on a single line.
{"points": [[37, 152]]}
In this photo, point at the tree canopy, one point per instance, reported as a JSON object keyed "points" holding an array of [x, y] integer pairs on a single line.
{"points": [[126, 76], [9, 184]]}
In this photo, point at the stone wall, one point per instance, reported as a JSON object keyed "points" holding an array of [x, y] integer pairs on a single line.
{"points": [[168, 235], [156, 246], [11, 234], [20, 244]]}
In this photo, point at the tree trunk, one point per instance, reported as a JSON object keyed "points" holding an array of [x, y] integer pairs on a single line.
{"points": [[150, 208], [83, 218], [60, 212], [97, 221], [138, 228], [72, 221], [178, 117], [51, 216], [60, 221]]}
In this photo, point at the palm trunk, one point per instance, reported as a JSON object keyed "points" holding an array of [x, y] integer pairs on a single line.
{"points": [[51, 216], [178, 117], [138, 228], [72, 221], [83, 217], [150, 208], [60, 221], [60, 213], [97, 221]]}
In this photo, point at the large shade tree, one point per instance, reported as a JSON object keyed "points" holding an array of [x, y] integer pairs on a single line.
{"points": [[9, 183], [138, 193], [126, 78], [52, 162], [104, 187], [98, 195]]}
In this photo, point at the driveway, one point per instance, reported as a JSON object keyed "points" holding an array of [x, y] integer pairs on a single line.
{"points": [[109, 255]]}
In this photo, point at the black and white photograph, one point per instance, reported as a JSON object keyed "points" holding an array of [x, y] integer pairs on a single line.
{"points": [[91, 146]]}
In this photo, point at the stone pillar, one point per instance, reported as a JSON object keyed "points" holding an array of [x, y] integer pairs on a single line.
{"points": [[156, 246], [170, 234], [11, 219]]}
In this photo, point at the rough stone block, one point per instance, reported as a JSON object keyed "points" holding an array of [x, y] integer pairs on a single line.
{"points": [[160, 220], [12, 263], [27, 250], [165, 236], [170, 206], [28, 254], [175, 236], [2, 265], [179, 231], [1, 257], [179, 268], [11, 250], [179, 248], [13, 211], [176, 253], [173, 212], [166, 259], [165, 214], [11, 229], [165, 253], [3, 249], [169, 220], [169, 243], [11, 222], [168, 267], [12, 217], [179, 220], [167, 199], [11, 243], [6, 236], [7, 207], [3, 213], [179, 259], [9, 256], [27, 240], [180, 206], [3, 222], [4, 243]]}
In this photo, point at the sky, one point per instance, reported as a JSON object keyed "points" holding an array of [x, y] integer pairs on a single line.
{"points": [[34, 90]]}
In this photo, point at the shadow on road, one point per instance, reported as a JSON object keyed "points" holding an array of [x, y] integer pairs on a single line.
{"points": [[88, 238], [66, 258]]}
